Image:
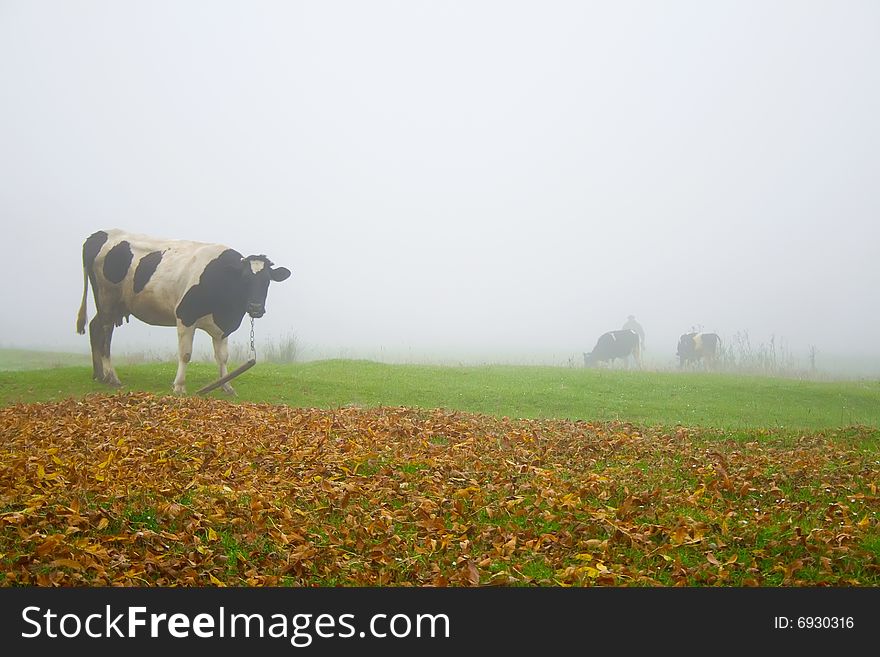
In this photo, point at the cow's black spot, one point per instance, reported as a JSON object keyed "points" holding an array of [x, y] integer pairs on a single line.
{"points": [[117, 262], [145, 268], [91, 248], [221, 292]]}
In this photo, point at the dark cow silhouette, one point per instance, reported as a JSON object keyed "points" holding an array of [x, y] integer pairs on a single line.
{"points": [[615, 344], [698, 347], [190, 285]]}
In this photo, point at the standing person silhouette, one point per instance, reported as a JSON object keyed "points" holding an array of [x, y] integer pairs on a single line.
{"points": [[631, 323]]}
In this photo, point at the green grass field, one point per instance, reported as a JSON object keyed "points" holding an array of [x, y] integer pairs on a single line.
{"points": [[722, 401]]}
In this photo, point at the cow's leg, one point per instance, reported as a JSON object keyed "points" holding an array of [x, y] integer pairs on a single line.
{"points": [[221, 355], [96, 338], [109, 373], [100, 336], [184, 355]]}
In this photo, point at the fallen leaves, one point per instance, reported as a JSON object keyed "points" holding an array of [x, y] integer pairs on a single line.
{"points": [[143, 490]]}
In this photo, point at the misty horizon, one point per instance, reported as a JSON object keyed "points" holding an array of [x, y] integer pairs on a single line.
{"points": [[457, 182]]}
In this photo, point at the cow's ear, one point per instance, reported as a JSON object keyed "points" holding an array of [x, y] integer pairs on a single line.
{"points": [[279, 274]]}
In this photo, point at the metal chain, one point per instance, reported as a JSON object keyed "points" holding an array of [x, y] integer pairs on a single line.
{"points": [[253, 348]]}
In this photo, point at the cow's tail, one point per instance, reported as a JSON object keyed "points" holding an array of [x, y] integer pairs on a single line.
{"points": [[81, 316]]}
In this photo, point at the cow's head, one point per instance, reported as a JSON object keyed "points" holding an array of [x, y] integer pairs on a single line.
{"points": [[589, 359], [257, 272]]}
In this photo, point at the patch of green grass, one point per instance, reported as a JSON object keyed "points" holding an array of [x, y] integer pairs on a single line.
{"points": [[537, 570], [872, 544], [142, 518], [368, 468], [233, 550]]}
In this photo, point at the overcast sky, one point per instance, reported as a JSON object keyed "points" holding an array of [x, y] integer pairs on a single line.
{"points": [[483, 180]]}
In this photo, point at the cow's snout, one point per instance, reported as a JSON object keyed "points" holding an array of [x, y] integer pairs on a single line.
{"points": [[256, 310]]}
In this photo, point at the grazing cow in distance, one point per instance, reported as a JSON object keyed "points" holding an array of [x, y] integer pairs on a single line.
{"points": [[698, 347], [190, 285], [615, 344]]}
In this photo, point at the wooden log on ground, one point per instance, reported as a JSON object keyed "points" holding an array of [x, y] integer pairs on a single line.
{"points": [[234, 373]]}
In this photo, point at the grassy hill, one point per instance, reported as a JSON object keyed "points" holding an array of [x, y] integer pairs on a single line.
{"points": [[723, 401]]}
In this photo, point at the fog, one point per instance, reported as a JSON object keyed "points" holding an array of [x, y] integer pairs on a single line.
{"points": [[473, 181]]}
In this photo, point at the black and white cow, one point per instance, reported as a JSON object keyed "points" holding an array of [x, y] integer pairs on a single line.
{"points": [[698, 347], [190, 285], [615, 344]]}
